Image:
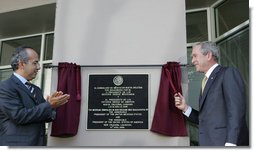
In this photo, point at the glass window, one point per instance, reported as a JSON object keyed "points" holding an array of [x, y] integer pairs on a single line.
{"points": [[234, 51], [230, 14], [46, 80], [195, 79], [5, 74], [196, 24], [193, 96], [8, 47], [48, 47]]}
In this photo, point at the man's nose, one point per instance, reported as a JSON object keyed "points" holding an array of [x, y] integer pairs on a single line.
{"points": [[38, 66], [192, 60]]}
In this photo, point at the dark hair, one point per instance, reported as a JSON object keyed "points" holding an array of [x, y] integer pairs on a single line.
{"points": [[20, 54]]}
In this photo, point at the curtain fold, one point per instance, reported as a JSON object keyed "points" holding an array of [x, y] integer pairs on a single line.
{"points": [[67, 116], [169, 120]]}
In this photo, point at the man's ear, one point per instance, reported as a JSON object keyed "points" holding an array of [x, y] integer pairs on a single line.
{"points": [[21, 64], [209, 55]]}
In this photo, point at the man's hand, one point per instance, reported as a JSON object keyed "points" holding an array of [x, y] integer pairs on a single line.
{"points": [[58, 98], [180, 102]]}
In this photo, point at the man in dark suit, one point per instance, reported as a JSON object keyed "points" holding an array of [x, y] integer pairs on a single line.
{"points": [[222, 104], [23, 110]]}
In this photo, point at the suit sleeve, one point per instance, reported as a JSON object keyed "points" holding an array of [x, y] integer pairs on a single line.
{"points": [[233, 90], [194, 116], [14, 109]]}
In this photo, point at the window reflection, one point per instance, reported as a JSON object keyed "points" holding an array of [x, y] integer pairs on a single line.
{"points": [[46, 79], [49, 40], [230, 14], [8, 47], [196, 24], [5, 74]]}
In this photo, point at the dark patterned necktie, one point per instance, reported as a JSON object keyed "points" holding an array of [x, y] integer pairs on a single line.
{"points": [[31, 89]]}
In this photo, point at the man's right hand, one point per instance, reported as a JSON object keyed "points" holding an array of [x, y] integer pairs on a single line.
{"points": [[180, 102], [58, 98]]}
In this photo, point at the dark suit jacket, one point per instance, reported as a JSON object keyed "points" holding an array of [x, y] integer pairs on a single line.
{"points": [[22, 117], [222, 108]]}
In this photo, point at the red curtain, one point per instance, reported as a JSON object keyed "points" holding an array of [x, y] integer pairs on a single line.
{"points": [[169, 120], [67, 116]]}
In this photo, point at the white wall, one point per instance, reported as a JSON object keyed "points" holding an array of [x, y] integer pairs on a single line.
{"points": [[119, 32]]}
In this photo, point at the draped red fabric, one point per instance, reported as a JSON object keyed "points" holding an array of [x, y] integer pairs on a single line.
{"points": [[169, 120], [67, 116]]}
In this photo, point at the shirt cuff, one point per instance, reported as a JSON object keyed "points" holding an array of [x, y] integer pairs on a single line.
{"points": [[230, 144], [188, 111]]}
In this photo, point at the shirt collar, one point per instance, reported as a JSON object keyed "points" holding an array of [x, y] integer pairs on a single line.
{"points": [[22, 79], [209, 72]]}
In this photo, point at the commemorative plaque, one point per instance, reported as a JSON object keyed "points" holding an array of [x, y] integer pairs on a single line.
{"points": [[118, 101]]}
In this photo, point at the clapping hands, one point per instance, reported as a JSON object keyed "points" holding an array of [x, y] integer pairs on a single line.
{"points": [[58, 98]]}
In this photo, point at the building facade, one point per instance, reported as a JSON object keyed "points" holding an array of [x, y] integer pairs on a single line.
{"points": [[225, 22]]}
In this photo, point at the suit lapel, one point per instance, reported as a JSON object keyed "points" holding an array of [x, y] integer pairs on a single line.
{"points": [[208, 85]]}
